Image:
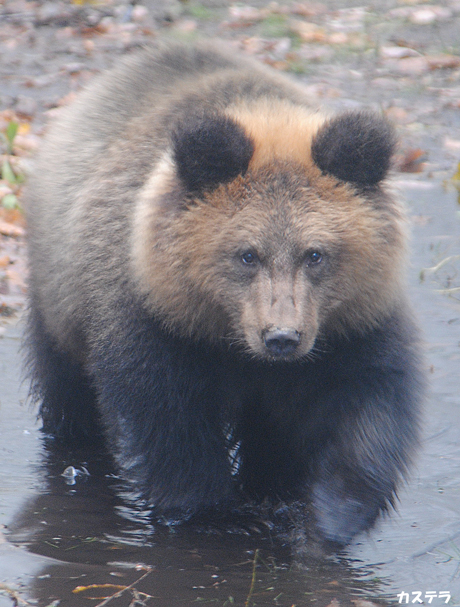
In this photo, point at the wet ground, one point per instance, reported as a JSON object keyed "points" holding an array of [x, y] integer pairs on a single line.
{"points": [[62, 543]]}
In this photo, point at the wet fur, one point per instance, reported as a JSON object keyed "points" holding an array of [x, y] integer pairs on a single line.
{"points": [[143, 323]]}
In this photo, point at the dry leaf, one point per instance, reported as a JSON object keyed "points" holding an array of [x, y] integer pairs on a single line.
{"points": [[442, 62], [8, 229], [309, 32], [114, 587], [411, 161]]}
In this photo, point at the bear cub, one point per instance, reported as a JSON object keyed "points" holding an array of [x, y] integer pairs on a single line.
{"points": [[217, 287]]}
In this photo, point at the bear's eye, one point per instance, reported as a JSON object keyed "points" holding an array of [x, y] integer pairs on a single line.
{"points": [[249, 258], [314, 257]]}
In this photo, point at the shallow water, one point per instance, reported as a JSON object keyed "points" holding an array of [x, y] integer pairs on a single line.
{"points": [[57, 536]]}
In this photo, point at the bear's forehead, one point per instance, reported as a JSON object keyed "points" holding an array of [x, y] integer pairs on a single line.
{"points": [[288, 196], [269, 220], [278, 129]]}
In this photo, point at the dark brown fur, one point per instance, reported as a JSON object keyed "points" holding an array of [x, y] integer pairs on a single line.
{"points": [[197, 231]]}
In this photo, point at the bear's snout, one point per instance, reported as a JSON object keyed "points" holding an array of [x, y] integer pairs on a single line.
{"points": [[281, 342]]}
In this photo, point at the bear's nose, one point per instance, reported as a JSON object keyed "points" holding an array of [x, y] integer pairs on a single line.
{"points": [[281, 342]]}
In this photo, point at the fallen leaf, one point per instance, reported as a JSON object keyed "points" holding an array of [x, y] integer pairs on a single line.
{"points": [[12, 216], [338, 38], [16, 279], [442, 62], [114, 587], [8, 229], [421, 220], [411, 161], [456, 177], [397, 114], [247, 13], [307, 9], [308, 32]]}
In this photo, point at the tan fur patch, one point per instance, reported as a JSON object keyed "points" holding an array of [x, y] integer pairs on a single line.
{"points": [[150, 216], [279, 129]]}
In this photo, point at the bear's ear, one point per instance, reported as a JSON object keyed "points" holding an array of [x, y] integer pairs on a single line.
{"points": [[356, 147], [210, 150]]}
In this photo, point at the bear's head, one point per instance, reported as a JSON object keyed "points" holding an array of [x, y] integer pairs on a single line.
{"points": [[267, 226]]}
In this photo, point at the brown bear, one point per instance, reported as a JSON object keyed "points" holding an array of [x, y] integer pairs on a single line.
{"points": [[217, 285]]}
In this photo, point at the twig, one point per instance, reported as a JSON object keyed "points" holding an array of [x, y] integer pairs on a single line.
{"points": [[433, 546], [120, 592], [438, 266], [448, 290], [253, 579], [14, 595]]}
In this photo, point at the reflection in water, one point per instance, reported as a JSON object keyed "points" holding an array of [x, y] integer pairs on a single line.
{"points": [[101, 536]]}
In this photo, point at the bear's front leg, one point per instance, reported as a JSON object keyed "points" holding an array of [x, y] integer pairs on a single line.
{"points": [[375, 394], [353, 488], [359, 470], [162, 421]]}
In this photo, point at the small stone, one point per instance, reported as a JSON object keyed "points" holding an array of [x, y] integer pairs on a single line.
{"points": [[338, 38], [26, 106], [49, 11], [397, 52], [318, 52], [429, 14], [4, 189], [412, 66], [139, 13], [186, 26], [28, 142], [385, 83], [74, 67], [246, 13], [89, 46], [452, 144], [423, 17]]}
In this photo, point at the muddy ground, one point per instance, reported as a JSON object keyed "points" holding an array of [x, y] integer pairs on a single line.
{"points": [[400, 57]]}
